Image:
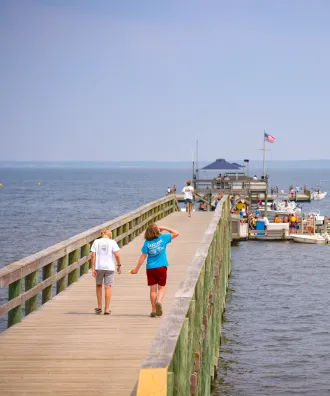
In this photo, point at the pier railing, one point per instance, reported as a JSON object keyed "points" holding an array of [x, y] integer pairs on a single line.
{"points": [[184, 355], [64, 262]]}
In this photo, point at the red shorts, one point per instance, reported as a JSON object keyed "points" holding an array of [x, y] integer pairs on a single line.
{"points": [[157, 276]]}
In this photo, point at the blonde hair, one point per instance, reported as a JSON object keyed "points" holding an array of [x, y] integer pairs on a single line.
{"points": [[152, 232], [106, 231]]}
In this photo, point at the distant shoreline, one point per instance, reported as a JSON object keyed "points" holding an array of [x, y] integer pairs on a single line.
{"points": [[253, 164]]}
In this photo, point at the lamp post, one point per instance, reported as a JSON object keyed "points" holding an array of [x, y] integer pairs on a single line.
{"points": [[247, 166]]}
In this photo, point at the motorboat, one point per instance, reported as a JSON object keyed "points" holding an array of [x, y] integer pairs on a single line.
{"points": [[320, 239], [316, 216], [318, 195], [283, 208]]}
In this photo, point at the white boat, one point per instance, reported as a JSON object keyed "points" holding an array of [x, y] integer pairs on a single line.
{"points": [[283, 208], [317, 217], [318, 195], [321, 239]]}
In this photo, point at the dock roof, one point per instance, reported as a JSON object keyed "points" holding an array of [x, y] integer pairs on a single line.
{"points": [[221, 164]]}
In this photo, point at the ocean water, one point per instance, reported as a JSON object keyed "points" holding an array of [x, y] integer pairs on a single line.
{"points": [[275, 339]]}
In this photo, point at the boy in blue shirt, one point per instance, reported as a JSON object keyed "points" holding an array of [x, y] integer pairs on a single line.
{"points": [[155, 249]]}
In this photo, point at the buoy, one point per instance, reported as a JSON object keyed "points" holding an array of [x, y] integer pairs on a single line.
{"points": [[0, 185]]}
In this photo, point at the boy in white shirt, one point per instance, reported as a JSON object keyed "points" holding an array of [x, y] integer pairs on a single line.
{"points": [[104, 250], [188, 192]]}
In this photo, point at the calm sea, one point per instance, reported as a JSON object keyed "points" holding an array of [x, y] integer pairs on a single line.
{"points": [[275, 340]]}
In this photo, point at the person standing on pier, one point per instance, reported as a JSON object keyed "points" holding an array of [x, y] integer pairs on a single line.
{"points": [[188, 192], [104, 250], [155, 249]]}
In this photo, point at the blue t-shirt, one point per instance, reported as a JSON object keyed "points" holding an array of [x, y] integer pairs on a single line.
{"points": [[156, 251]]}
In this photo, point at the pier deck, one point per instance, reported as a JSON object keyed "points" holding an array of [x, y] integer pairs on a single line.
{"points": [[64, 348]]}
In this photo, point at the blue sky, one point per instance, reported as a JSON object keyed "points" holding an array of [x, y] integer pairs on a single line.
{"points": [[142, 80]]}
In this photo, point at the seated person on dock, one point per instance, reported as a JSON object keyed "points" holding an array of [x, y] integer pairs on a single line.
{"points": [[251, 221], [202, 207], [215, 204], [277, 219]]}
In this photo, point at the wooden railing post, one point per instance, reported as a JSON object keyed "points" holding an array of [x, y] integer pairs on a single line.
{"points": [[15, 314], [180, 362], [73, 276], [31, 280], [62, 263], [85, 250], [47, 272]]}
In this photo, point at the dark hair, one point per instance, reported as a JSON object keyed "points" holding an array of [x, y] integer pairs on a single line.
{"points": [[152, 232], [188, 182]]}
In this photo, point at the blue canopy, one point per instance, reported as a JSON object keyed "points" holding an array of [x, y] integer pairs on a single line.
{"points": [[221, 164], [241, 166]]}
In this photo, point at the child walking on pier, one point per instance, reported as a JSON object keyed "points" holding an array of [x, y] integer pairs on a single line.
{"points": [[104, 250], [155, 249]]}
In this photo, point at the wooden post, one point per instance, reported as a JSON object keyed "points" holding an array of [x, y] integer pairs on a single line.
{"points": [[14, 290], [170, 383], [85, 250], [31, 281], [62, 263], [73, 276], [182, 377], [119, 232], [47, 272]]}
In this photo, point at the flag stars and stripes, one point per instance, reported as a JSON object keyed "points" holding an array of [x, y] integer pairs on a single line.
{"points": [[269, 138]]}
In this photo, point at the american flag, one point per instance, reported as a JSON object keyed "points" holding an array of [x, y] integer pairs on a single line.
{"points": [[269, 138]]}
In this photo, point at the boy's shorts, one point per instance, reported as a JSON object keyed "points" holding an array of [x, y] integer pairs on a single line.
{"points": [[157, 276], [108, 276]]}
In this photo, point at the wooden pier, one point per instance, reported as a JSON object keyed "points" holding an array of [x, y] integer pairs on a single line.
{"points": [[208, 189], [63, 348]]}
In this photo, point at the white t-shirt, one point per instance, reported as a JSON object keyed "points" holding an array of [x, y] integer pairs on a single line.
{"points": [[188, 192], [104, 249], [266, 221]]}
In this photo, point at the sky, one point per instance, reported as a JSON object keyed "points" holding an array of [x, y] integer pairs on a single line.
{"points": [[135, 80]]}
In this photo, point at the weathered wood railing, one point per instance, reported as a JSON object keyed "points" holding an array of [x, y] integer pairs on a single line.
{"points": [[71, 259], [184, 355]]}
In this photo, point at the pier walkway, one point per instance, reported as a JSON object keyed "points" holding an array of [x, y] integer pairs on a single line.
{"points": [[63, 348]]}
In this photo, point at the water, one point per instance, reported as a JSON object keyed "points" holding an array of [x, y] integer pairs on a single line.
{"points": [[275, 338]]}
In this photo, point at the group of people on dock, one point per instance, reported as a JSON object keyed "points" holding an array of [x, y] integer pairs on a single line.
{"points": [[292, 219]]}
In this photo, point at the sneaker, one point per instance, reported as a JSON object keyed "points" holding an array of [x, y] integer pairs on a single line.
{"points": [[159, 309], [153, 314]]}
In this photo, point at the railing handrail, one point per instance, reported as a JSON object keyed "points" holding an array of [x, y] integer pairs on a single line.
{"points": [[19, 269], [162, 350]]}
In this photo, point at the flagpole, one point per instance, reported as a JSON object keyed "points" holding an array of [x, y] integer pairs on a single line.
{"points": [[264, 149]]}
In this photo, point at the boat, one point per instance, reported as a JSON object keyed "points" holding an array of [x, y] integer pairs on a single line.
{"points": [[316, 216], [320, 239], [283, 208], [318, 195]]}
